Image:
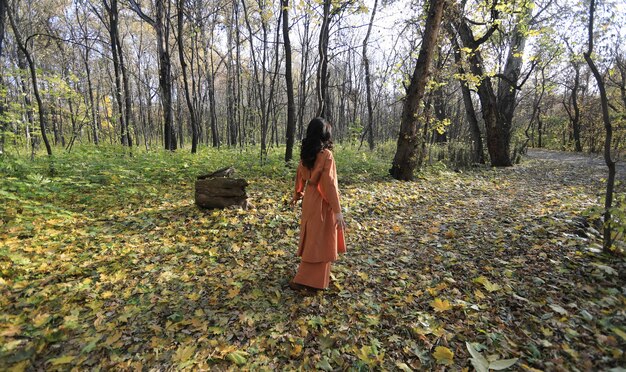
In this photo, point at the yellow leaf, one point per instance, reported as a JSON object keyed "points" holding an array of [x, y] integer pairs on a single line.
{"points": [[184, 353], [295, 350], [41, 319], [479, 294], [113, 338], [573, 353], [440, 305], [233, 292], [491, 287], [61, 360], [107, 294], [237, 357], [19, 367], [619, 332], [443, 355]]}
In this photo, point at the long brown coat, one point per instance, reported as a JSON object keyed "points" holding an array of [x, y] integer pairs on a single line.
{"points": [[320, 240]]}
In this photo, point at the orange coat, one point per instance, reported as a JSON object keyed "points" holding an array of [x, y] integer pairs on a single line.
{"points": [[320, 240]]}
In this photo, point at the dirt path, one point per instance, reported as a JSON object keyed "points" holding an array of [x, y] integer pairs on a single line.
{"points": [[593, 162]]}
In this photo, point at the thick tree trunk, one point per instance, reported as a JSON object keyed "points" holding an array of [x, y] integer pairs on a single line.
{"points": [[497, 136], [410, 139], [291, 104], [470, 112], [608, 139]]}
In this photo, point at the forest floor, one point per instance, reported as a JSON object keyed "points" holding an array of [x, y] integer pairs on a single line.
{"points": [[114, 266]]}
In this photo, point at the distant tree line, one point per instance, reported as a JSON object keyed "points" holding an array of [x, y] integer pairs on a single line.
{"points": [[473, 80]]}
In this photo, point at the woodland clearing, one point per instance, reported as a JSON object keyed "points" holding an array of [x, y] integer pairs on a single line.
{"points": [[110, 264]]}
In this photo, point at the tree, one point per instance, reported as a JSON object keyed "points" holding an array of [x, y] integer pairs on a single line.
{"points": [[3, 11], [23, 47], [183, 67], [161, 25], [478, 155], [122, 94], [323, 100], [407, 155], [291, 105], [368, 81], [608, 139]]}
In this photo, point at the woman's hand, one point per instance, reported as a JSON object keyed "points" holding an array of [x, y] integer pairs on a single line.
{"points": [[295, 199], [339, 221]]}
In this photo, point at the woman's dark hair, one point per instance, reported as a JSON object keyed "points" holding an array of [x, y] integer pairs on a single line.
{"points": [[318, 138]]}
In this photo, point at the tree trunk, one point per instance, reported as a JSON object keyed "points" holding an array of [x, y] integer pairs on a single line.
{"points": [[576, 116], [497, 139], [368, 81], [304, 71], [539, 129], [113, 13], [3, 125], [409, 139], [608, 139], [322, 69], [470, 112], [183, 67], [33, 74], [231, 116], [161, 27], [291, 105]]}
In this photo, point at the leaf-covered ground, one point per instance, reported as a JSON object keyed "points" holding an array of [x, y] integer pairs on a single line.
{"points": [[109, 264]]}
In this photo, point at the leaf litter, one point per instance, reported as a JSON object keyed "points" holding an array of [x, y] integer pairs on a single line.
{"points": [[478, 269]]}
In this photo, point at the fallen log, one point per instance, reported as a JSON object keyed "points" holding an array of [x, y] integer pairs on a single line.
{"points": [[221, 192]]}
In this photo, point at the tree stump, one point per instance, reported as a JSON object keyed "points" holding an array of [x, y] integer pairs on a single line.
{"points": [[216, 190]]}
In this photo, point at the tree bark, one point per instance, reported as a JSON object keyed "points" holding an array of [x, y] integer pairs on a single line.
{"points": [[183, 67], [470, 113], [608, 139], [323, 109], [33, 74], [161, 27], [3, 126], [291, 104], [410, 140], [113, 13], [368, 81], [576, 116]]}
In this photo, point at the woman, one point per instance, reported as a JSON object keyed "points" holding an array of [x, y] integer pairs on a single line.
{"points": [[322, 224]]}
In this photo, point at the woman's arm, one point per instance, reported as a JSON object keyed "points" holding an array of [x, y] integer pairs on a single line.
{"points": [[331, 189], [328, 180], [299, 187]]}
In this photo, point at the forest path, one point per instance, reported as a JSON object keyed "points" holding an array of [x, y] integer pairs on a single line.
{"points": [[591, 161]]}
